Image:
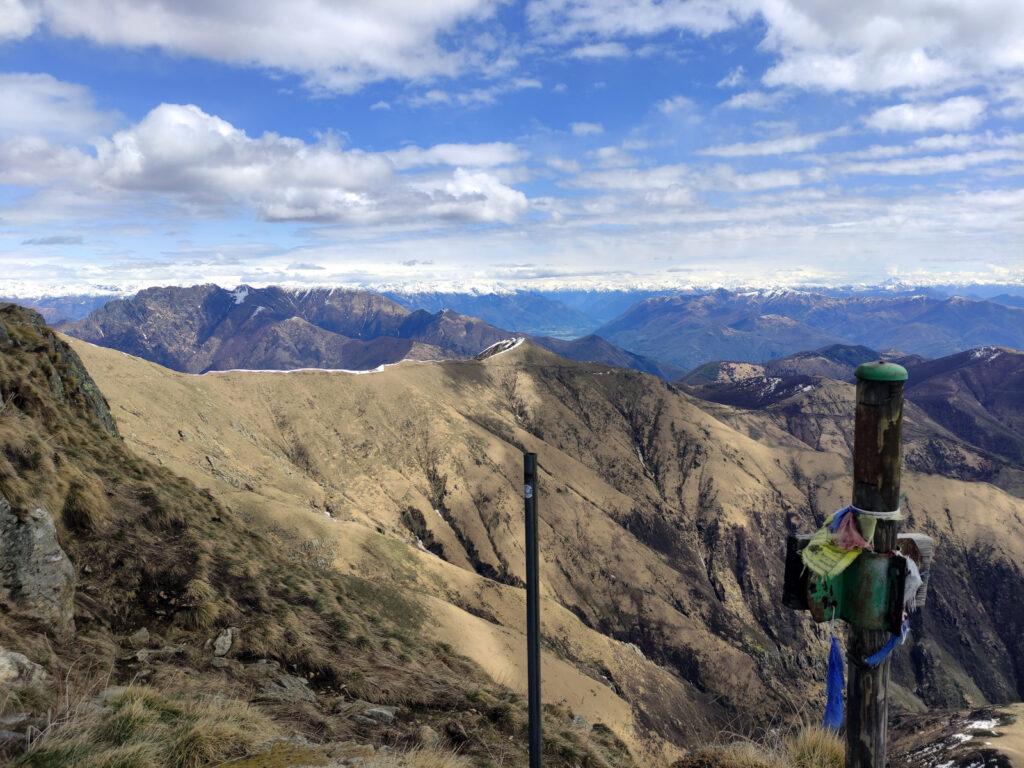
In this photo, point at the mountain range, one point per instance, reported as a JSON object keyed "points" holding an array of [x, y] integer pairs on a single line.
{"points": [[964, 415], [209, 328], [355, 542], [757, 326]]}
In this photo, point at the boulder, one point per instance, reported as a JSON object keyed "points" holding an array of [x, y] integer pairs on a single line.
{"points": [[286, 688], [16, 671], [223, 642], [36, 578], [139, 639]]}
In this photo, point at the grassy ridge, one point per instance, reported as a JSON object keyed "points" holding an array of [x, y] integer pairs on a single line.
{"points": [[152, 550]]}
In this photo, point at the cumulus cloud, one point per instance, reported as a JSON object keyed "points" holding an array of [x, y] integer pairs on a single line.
{"points": [[868, 46], [41, 105], [17, 20], [335, 45], [182, 153], [586, 129], [956, 114]]}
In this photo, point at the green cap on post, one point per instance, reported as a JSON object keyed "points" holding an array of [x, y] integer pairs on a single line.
{"points": [[881, 371]]}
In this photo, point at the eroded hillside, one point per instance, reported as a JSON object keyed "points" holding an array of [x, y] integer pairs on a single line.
{"points": [[145, 623], [662, 526]]}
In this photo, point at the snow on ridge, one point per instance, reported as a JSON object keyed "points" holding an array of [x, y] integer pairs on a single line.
{"points": [[501, 347], [240, 294]]}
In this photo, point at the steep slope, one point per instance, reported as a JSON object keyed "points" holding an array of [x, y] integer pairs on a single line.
{"points": [[978, 395], [756, 326], [209, 328], [206, 632], [964, 411], [594, 349], [662, 525]]}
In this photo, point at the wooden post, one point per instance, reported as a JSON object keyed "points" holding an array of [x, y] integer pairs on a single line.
{"points": [[876, 487], [530, 493]]}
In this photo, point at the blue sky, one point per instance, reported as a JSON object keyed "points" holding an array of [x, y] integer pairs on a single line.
{"points": [[478, 143]]}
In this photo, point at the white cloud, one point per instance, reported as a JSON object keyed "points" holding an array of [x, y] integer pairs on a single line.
{"points": [[41, 105], [780, 146], [932, 164], [474, 97], [956, 114], [736, 77], [471, 155], [180, 153], [674, 104], [866, 46], [335, 45], [879, 45], [380, 105], [566, 19], [609, 50], [586, 129], [17, 20], [759, 100]]}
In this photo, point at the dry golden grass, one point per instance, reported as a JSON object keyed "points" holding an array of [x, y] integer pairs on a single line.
{"points": [[809, 747], [144, 728], [421, 758]]}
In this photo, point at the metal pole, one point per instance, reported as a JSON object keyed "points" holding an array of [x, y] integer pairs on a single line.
{"points": [[876, 487], [530, 494]]}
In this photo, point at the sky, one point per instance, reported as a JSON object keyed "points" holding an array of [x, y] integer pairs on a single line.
{"points": [[456, 144]]}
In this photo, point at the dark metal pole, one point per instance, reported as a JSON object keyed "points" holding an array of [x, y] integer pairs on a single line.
{"points": [[876, 487], [530, 494]]}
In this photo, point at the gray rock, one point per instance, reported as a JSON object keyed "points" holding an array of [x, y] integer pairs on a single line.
{"points": [[219, 662], [145, 655], [139, 638], [16, 671], [36, 578], [427, 736], [288, 688], [222, 644], [13, 719], [381, 714]]}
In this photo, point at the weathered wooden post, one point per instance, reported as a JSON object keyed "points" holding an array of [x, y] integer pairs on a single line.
{"points": [[870, 587], [530, 493], [877, 465]]}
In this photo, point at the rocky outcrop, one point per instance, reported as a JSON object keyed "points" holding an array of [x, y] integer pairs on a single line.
{"points": [[37, 580], [17, 672]]}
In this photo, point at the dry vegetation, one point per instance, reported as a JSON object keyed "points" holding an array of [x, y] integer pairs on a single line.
{"points": [[809, 747], [152, 550]]}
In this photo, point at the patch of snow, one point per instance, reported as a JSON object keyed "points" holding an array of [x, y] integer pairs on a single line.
{"points": [[500, 347], [378, 369], [982, 725], [961, 737], [241, 294]]}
